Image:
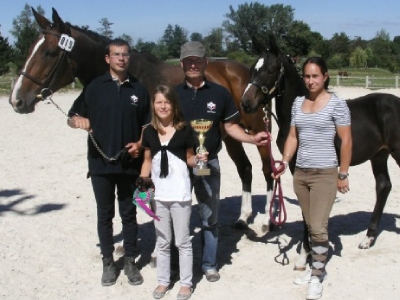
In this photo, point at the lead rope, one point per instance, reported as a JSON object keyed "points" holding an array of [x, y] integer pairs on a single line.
{"points": [[48, 95], [282, 215]]}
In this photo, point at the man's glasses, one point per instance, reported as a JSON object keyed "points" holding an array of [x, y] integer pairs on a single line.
{"points": [[190, 62], [117, 55]]}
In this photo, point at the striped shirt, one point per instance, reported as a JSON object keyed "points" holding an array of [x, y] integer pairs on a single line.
{"points": [[316, 132]]}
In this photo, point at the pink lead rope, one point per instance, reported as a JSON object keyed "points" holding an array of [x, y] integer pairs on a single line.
{"points": [[282, 215], [142, 199]]}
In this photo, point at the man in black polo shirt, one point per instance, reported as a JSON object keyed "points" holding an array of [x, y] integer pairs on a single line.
{"points": [[113, 108], [202, 99]]}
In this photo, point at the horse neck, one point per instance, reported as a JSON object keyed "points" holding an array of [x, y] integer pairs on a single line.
{"points": [[293, 87], [87, 57], [152, 72]]}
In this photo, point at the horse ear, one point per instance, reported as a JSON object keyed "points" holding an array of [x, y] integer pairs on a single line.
{"points": [[58, 22], [41, 20], [258, 48], [273, 46]]}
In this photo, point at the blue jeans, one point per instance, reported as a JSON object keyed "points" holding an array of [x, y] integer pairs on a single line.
{"points": [[207, 191]]}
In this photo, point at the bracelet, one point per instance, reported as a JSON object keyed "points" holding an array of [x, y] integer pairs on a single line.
{"points": [[285, 154]]}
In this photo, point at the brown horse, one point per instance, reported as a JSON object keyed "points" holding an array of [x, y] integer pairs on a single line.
{"points": [[375, 125], [64, 52]]}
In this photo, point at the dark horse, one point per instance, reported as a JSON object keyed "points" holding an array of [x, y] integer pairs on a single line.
{"points": [[374, 123], [52, 65]]}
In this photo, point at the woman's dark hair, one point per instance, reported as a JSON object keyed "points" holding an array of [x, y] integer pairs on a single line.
{"points": [[320, 62], [169, 93]]}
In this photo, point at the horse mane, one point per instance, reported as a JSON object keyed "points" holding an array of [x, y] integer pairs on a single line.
{"points": [[148, 56], [91, 34]]}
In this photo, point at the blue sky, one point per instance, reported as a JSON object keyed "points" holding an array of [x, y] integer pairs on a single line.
{"points": [[148, 19]]}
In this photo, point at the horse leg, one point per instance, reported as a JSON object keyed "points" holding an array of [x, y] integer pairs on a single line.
{"points": [[382, 188], [267, 170], [238, 155], [305, 250]]}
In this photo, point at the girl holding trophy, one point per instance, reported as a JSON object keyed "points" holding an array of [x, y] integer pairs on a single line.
{"points": [[169, 143]]}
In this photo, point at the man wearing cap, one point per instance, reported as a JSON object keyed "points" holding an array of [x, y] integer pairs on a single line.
{"points": [[202, 99]]}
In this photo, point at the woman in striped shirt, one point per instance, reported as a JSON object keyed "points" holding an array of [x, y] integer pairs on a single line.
{"points": [[321, 170]]}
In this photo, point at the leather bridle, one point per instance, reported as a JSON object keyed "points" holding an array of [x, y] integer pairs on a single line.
{"points": [[47, 83]]}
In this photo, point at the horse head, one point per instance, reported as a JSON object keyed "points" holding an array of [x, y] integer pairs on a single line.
{"points": [[266, 75], [54, 60]]}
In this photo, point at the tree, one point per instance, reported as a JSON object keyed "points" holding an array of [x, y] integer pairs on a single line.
{"points": [[143, 46], [105, 28], [5, 54], [127, 38], [214, 42], [340, 48], [256, 19], [197, 37], [381, 48], [25, 31], [298, 39], [359, 58], [173, 38]]}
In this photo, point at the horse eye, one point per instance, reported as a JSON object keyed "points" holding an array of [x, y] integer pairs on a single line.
{"points": [[52, 53]]}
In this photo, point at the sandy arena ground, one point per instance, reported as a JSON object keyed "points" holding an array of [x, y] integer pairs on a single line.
{"points": [[49, 246]]}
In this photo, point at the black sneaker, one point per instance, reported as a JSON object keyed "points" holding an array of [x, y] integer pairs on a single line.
{"points": [[132, 272], [110, 272]]}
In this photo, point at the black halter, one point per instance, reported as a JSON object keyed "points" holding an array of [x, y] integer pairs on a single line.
{"points": [[271, 93], [46, 84]]}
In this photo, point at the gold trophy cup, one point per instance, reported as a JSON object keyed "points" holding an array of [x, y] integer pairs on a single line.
{"points": [[201, 126]]}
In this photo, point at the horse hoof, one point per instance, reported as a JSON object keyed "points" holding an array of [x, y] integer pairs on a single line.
{"points": [[241, 225], [366, 243], [153, 262]]}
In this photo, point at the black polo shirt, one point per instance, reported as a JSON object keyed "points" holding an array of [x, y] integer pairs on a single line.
{"points": [[213, 102], [117, 114]]}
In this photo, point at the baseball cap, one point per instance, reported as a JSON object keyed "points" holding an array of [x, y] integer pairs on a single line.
{"points": [[192, 48]]}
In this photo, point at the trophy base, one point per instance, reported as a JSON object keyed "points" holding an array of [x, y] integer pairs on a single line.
{"points": [[201, 171]]}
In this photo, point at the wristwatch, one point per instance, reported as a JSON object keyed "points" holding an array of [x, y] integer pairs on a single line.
{"points": [[343, 176]]}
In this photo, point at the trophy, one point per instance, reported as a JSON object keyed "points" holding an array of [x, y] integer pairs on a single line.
{"points": [[201, 126]]}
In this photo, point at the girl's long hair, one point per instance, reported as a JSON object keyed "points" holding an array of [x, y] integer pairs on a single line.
{"points": [[169, 93]]}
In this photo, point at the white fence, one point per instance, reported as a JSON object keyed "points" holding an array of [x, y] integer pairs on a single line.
{"points": [[369, 82]]}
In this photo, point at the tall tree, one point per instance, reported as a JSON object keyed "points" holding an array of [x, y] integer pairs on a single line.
{"points": [[25, 31], [173, 38], [5, 54], [214, 42], [127, 38], [298, 39], [105, 28], [359, 58], [195, 36], [381, 48], [256, 19]]}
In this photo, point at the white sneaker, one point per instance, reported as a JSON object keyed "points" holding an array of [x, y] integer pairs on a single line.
{"points": [[306, 278], [303, 278], [314, 289]]}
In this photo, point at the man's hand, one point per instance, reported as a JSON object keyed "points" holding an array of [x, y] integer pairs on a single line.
{"points": [[134, 149], [79, 122]]}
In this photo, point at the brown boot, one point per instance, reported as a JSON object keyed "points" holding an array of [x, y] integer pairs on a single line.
{"points": [[110, 272], [132, 272]]}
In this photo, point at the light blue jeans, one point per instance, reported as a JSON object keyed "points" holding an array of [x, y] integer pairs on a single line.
{"points": [[207, 191], [174, 216]]}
